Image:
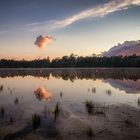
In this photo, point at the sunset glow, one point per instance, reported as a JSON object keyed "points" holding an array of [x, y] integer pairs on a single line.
{"points": [[80, 27]]}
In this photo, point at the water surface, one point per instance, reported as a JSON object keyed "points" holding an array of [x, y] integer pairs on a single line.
{"points": [[24, 92]]}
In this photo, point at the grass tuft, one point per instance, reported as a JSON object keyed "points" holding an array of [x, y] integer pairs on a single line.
{"points": [[56, 111], [108, 92], [90, 132], [90, 107], [36, 121], [138, 101], [2, 111]]}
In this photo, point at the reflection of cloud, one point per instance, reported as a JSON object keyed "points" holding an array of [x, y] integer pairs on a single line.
{"points": [[42, 41], [42, 94], [129, 86], [98, 11]]}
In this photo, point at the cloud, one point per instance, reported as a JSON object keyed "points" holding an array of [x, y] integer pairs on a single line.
{"points": [[42, 41], [99, 11], [126, 48]]}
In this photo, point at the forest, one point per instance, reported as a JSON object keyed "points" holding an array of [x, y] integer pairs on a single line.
{"points": [[74, 61]]}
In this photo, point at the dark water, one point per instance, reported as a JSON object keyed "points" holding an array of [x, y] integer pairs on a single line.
{"points": [[24, 92]]}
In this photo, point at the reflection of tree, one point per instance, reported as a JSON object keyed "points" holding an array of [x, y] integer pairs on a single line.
{"points": [[42, 94], [73, 74]]}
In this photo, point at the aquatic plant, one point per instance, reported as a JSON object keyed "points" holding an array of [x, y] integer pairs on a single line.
{"points": [[11, 120], [45, 111], [56, 111], [2, 111], [108, 92], [94, 90], [1, 88], [16, 101], [129, 123], [89, 132], [36, 121], [138, 101], [90, 107], [11, 92], [61, 94]]}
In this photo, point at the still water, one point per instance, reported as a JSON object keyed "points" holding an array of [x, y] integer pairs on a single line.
{"points": [[107, 86], [24, 92]]}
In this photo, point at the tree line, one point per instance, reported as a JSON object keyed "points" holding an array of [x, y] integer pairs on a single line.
{"points": [[74, 61]]}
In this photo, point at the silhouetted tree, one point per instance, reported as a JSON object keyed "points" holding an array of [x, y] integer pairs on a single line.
{"points": [[74, 61]]}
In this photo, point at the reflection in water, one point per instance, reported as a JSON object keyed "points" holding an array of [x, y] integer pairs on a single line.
{"points": [[77, 86], [90, 106], [2, 111], [74, 74], [45, 111], [16, 101], [1, 88], [108, 92], [57, 111], [11, 120], [42, 94], [61, 94], [138, 102], [129, 86], [94, 90], [90, 132], [36, 121]]}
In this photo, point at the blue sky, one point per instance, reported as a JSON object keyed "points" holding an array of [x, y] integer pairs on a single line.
{"points": [[81, 27]]}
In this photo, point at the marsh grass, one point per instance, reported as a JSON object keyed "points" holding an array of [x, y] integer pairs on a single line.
{"points": [[2, 111], [1, 88], [16, 101], [129, 123], [93, 90], [90, 107], [61, 94], [57, 111], [36, 121], [139, 102], [89, 132], [11, 120], [108, 92]]}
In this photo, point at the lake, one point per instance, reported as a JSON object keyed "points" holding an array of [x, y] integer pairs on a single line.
{"points": [[34, 101]]}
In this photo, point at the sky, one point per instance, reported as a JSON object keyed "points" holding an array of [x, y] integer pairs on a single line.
{"points": [[82, 27]]}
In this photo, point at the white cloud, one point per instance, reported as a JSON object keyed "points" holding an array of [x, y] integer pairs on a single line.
{"points": [[98, 11], [42, 41]]}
